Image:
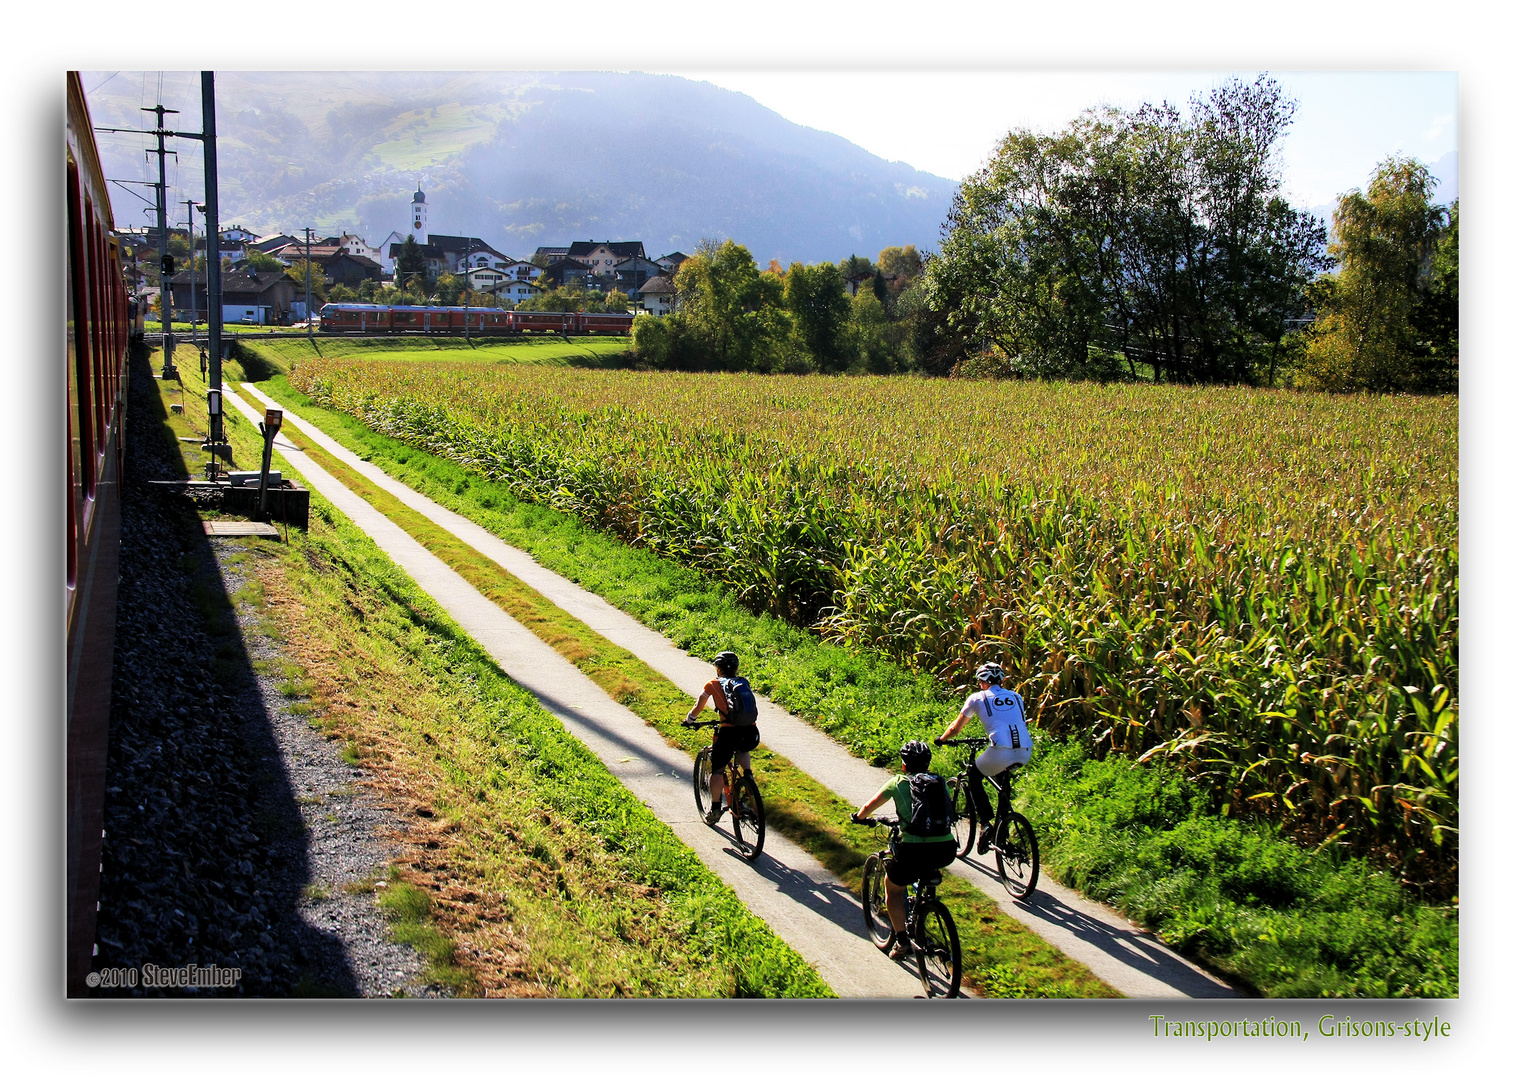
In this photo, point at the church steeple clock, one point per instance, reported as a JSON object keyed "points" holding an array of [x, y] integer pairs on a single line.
{"points": [[419, 216]]}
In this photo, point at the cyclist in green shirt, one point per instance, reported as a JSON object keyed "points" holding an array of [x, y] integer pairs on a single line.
{"points": [[912, 856]]}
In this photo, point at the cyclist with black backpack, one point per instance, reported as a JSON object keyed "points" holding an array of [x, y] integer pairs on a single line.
{"points": [[1002, 715], [923, 808], [738, 732]]}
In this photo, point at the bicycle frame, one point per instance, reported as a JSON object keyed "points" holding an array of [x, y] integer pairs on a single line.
{"points": [[733, 770], [740, 793], [921, 907], [1014, 845]]}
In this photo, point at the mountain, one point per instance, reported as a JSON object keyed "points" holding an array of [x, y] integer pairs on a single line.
{"points": [[526, 159]]}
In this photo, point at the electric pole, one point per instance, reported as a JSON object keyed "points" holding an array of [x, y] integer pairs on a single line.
{"points": [[165, 264], [215, 443], [190, 224], [308, 285]]}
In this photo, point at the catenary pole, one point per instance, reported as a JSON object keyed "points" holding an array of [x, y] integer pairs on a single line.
{"points": [[308, 284], [213, 263], [165, 292], [190, 224]]}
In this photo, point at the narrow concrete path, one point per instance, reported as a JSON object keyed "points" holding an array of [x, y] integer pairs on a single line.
{"points": [[1129, 959], [786, 887]]}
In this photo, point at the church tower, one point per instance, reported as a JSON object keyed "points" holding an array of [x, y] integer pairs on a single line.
{"points": [[419, 231]]}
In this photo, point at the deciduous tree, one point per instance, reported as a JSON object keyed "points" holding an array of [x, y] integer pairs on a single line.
{"points": [[261, 262], [1140, 240], [820, 311], [1394, 279], [901, 265], [729, 308]]}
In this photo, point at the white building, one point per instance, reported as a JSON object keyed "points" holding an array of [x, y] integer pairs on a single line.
{"points": [[515, 292], [485, 279], [356, 245], [387, 263], [658, 295], [521, 270]]}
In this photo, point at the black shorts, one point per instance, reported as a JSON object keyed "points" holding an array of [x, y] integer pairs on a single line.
{"points": [[728, 741], [909, 862]]}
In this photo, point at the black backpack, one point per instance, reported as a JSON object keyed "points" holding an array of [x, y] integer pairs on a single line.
{"points": [[741, 701], [929, 813]]}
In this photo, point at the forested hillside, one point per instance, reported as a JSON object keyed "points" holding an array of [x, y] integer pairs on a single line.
{"points": [[523, 159]]}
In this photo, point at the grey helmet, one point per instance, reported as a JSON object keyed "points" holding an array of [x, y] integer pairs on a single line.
{"points": [[727, 664], [915, 755], [990, 673]]}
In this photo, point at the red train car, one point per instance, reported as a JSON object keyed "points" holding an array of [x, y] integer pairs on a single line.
{"points": [[554, 322], [420, 319], [97, 328], [610, 323], [354, 318]]}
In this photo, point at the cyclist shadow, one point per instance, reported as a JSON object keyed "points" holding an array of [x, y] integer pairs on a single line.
{"points": [[1136, 948], [832, 899]]}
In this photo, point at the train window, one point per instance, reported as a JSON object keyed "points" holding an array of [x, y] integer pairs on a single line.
{"points": [[78, 281], [97, 323], [71, 547]]}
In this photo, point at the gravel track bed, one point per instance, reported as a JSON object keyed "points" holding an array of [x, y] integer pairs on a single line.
{"points": [[235, 834]]}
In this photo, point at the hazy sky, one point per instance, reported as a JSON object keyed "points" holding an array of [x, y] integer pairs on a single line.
{"points": [[1346, 122]]}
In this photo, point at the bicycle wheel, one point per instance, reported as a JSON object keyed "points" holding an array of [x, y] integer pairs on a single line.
{"points": [[963, 811], [939, 950], [1018, 855], [748, 814], [701, 775], [873, 902]]}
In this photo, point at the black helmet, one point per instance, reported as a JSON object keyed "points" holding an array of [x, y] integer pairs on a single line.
{"points": [[915, 755], [727, 663], [990, 673]]}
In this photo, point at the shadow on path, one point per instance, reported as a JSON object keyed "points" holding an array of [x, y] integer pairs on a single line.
{"points": [[205, 851], [1136, 949]]}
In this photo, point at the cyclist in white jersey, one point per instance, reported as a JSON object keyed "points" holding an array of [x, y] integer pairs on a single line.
{"points": [[1002, 715]]}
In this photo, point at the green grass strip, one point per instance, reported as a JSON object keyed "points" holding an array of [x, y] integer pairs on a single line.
{"points": [[542, 818], [549, 350]]}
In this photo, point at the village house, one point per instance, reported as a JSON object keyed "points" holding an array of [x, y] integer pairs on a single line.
{"points": [[658, 296], [262, 299], [602, 257], [515, 292], [630, 274]]}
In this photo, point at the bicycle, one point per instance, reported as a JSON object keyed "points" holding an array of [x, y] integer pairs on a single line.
{"points": [[1013, 842], [741, 793], [936, 943]]}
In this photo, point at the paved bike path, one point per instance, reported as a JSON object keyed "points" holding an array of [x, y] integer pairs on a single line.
{"points": [[806, 905], [1129, 959]]}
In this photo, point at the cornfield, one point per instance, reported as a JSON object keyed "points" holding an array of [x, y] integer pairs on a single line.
{"points": [[1261, 586]]}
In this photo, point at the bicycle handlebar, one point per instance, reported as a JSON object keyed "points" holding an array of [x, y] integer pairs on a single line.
{"points": [[965, 740], [689, 722]]}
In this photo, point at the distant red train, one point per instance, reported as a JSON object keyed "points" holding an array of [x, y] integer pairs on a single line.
{"points": [[413, 319], [98, 323]]}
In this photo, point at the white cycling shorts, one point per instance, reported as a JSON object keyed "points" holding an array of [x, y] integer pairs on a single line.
{"points": [[995, 759]]}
